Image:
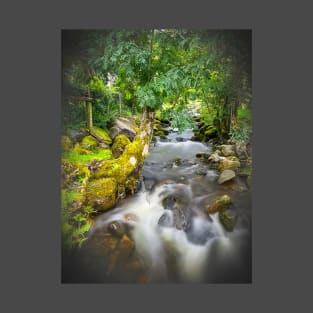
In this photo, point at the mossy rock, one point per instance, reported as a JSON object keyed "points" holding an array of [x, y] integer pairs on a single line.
{"points": [[123, 166], [89, 142], [228, 220], [78, 149], [101, 135], [219, 205], [101, 193], [119, 144], [210, 133], [66, 143]]}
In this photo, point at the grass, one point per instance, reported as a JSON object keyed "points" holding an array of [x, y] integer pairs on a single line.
{"points": [[101, 154]]}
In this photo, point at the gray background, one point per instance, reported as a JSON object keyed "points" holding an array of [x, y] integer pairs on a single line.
{"points": [[30, 123]]}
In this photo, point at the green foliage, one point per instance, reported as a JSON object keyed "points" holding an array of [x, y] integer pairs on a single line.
{"points": [[181, 120], [242, 132], [100, 154]]}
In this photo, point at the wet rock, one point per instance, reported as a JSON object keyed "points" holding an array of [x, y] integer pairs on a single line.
{"points": [[131, 217], [116, 228], [236, 184], [201, 171], [219, 205], [166, 220], [227, 150], [228, 219], [202, 155], [180, 139], [230, 163], [225, 176], [177, 161]]}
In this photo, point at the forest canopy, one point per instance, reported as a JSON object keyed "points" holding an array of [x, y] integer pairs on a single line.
{"points": [[165, 70]]}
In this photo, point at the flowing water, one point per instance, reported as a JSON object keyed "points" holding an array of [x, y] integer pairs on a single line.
{"points": [[172, 232]]}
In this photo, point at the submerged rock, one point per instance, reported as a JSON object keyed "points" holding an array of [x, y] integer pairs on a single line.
{"points": [[226, 176], [219, 205]]}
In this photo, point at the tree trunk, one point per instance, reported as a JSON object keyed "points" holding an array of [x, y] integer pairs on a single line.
{"points": [[89, 112]]}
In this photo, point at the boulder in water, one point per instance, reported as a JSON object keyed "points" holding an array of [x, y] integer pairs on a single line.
{"points": [[116, 228], [219, 205], [225, 176], [228, 219]]}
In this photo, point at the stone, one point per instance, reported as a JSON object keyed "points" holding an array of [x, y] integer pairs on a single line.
{"points": [[219, 205], [229, 164], [241, 149], [227, 150], [123, 126], [225, 176], [116, 228]]}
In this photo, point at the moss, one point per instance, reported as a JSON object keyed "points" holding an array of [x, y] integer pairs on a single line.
{"points": [[89, 142], [66, 143], [119, 144], [101, 135], [227, 221], [78, 149], [101, 193], [219, 205], [120, 168], [101, 154]]}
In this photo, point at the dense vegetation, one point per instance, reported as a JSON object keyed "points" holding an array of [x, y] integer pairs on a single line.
{"points": [[123, 73], [165, 70]]}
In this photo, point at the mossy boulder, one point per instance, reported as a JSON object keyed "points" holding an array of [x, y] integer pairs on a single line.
{"points": [[219, 205], [119, 144], [66, 143], [123, 166], [101, 193], [89, 142], [78, 149], [101, 135], [210, 132]]}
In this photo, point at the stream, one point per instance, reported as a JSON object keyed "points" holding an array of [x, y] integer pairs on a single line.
{"points": [[172, 232]]}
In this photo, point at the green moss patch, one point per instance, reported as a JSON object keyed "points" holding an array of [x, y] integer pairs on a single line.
{"points": [[119, 144], [89, 142], [101, 135]]}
